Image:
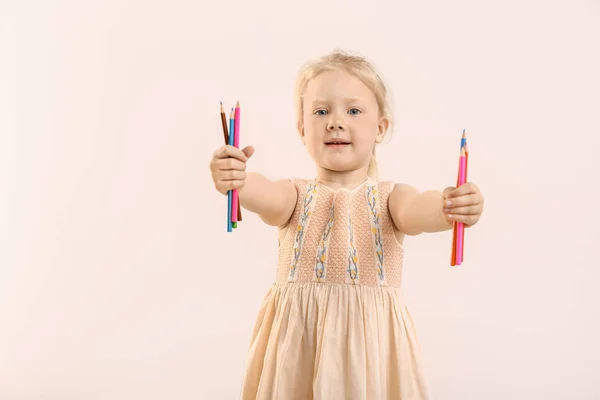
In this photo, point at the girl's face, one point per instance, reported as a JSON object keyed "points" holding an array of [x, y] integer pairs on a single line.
{"points": [[342, 122]]}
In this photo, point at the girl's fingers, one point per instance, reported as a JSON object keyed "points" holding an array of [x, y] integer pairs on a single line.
{"points": [[467, 210], [232, 175], [225, 186], [467, 188], [225, 164], [228, 167], [230, 151], [462, 201], [448, 191], [466, 219]]}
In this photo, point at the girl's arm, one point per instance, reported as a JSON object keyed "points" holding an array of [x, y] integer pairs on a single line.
{"points": [[414, 213], [274, 202]]}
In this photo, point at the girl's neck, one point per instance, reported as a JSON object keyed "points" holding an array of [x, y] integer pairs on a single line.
{"points": [[341, 179]]}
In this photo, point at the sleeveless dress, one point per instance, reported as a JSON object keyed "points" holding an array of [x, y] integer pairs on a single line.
{"points": [[334, 324]]}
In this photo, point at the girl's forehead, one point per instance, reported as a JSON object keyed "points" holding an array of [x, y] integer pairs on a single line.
{"points": [[337, 84]]}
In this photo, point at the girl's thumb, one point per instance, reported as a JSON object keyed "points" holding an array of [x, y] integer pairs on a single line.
{"points": [[448, 191], [248, 151]]}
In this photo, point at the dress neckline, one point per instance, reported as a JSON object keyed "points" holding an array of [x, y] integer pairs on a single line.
{"points": [[363, 183]]}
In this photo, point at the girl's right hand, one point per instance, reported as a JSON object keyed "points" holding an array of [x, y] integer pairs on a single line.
{"points": [[228, 167]]}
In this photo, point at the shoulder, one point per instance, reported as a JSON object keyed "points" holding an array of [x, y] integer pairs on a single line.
{"points": [[404, 190], [401, 195], [297, 188], [294, 190], [300, 184], [396, 189]]}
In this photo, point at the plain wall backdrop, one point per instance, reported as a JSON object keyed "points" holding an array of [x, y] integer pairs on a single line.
{"points": [[117, 277]]}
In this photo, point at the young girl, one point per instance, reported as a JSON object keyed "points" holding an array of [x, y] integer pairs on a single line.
{"points": [[334, 324]]}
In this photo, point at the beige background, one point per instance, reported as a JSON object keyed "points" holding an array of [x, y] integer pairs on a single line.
{"points": [[116, 277]]}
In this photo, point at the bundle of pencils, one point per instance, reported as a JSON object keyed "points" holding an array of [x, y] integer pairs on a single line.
{"points": [[458, 231], [232, 138]]}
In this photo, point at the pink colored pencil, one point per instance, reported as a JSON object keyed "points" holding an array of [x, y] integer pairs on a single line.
{"points": [[466, 179], [236, 143], [460, 226]]}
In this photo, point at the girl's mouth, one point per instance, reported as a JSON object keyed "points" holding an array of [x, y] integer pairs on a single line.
{"points": [[336, 144]]}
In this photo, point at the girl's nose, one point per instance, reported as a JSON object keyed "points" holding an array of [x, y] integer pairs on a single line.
{"points": [[335, 124]]}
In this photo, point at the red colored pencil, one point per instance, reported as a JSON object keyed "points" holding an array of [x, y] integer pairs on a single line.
{"points": [[466, 179], [453, 256], [453, 260], [460, 226]]}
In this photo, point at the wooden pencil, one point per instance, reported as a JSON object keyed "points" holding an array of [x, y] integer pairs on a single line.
{"points": [[230, 225], [224, 123], [239, 210], [453, 256], [460, 226], [463, 143], [466, 179], [236, 144], [226, 136]]}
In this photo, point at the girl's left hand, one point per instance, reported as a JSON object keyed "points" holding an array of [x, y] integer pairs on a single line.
{"points": [[463, 204]]}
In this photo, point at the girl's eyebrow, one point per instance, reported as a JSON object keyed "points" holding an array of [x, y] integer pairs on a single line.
{"points": [[347, 100]]}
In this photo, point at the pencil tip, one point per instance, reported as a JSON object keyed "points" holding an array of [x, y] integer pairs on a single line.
{"points": [[237, 104]]}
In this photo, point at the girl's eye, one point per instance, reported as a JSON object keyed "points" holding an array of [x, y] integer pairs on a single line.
{"points": [[354, 111], [321, 112]]}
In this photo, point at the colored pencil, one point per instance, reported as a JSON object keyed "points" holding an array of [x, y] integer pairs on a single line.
{"points": [[460, 226], [224, 124], [236, 143], [466, 180], [230, 193], [453, 256], [453, 260], [226, 136]]}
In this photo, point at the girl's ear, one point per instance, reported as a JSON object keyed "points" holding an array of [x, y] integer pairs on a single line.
{"points": [[382, 129], [301, 131]]}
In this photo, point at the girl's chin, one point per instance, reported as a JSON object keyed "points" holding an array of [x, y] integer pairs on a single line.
{"points": [[340, 166]]}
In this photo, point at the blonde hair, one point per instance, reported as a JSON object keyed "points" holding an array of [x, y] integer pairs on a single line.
{"points": [[357, 66]]}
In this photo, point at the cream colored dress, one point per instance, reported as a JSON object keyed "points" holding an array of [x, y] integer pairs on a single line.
{"points": [[334, 324]]}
